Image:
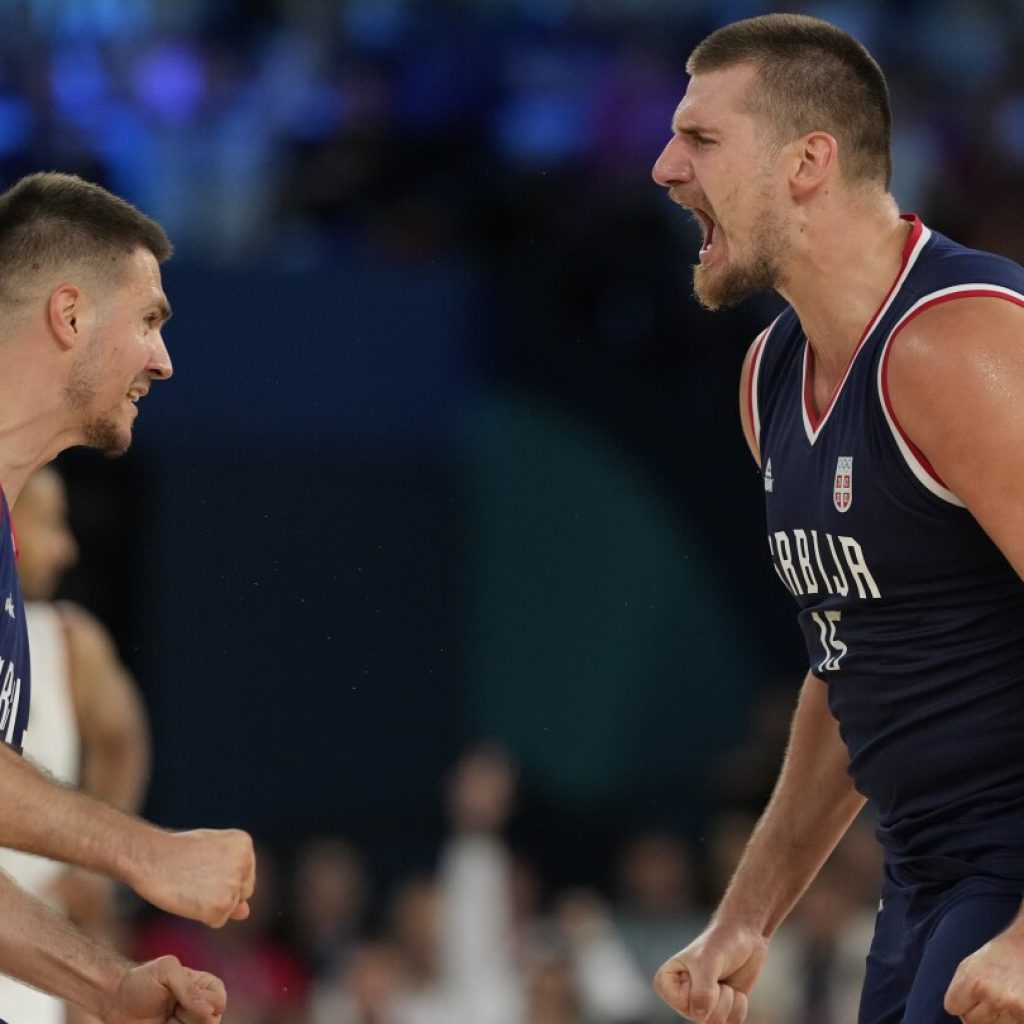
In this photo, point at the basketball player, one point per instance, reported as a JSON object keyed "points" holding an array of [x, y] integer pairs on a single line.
{"points": [[88, 725], [886, 408], [82, 308]]}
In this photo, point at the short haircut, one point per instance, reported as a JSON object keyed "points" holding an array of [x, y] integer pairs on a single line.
{"points": [[49, 220], [812, 76]]}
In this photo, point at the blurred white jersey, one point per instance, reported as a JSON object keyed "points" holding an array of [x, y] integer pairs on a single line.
{"points": [[51, 741]]}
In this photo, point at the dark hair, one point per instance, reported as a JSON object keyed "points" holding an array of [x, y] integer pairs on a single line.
{"points": [[50, 219], [812, 76]]}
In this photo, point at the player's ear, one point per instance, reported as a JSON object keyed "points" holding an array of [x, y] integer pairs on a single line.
{"points": [[64, 313], [814, 156]]}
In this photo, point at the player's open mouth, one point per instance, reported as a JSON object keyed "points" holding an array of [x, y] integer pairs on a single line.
{"points": [[707, 227]]}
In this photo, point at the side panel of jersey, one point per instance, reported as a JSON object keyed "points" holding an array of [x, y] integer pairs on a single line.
{"points": [[910, 613], [15, 687]]}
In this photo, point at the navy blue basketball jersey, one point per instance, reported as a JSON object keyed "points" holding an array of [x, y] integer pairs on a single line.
{"points": [[910, 613], [14, 665]]}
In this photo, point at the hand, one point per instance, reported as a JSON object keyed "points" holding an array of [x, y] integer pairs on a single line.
{"points": [[205, 874], [988, 987], [163, 992], [710, 979]]}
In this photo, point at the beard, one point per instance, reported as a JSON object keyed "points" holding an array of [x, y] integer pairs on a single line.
{"points": [[103, 432], [107, 436], [718, 287]]}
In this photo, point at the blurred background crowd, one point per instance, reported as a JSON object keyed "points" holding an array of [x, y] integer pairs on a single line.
{"points": [[451, 456]]}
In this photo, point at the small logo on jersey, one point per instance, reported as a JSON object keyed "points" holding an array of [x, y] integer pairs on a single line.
{"points": [[9, 606], [769, 480], [842, 491]]}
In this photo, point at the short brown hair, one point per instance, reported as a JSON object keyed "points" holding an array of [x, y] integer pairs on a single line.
{"points": [[812, 76], [50, 219]]}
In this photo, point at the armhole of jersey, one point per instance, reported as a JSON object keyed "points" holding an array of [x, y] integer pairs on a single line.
{"points": [[912, 455], [753, 402]]}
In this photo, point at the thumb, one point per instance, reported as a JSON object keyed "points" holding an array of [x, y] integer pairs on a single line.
{"points": [[704, 989], [200, 993], [958, 1001]]}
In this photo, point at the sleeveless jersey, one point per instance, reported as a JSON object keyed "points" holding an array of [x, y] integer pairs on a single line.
{"points": [[14, 664], [910, 613]]}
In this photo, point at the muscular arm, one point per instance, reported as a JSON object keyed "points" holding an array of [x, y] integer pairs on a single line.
{"points": [[110, 716], [205, 874], [956, 383], [40, 947], [811, 808]]}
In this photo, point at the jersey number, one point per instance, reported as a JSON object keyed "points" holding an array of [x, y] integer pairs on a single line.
{"points": [[834, 647]]}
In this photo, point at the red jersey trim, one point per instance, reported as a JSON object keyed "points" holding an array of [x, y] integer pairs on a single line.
{"points": [[10, 523], [753, 406], [967, 291]]}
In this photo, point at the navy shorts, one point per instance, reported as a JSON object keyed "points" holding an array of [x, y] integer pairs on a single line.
{"points": [[922, 934]]}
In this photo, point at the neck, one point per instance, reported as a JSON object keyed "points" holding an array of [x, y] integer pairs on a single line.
{"points": [[33, 427], [841, 269]]}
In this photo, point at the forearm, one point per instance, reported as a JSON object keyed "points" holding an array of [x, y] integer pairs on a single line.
{"points": [[812, 806], [43, 949], [44, 817]]}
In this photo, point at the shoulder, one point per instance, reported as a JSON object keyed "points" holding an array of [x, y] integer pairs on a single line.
{"points": [[87, 637], [953, 377], [957, 334]]}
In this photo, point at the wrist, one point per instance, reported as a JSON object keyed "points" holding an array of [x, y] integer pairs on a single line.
{"points": [[136, 853], [736, 912], [107, 987]]}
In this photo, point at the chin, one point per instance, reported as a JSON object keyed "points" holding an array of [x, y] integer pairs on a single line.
{"points": [[108, 438], [731, 285]]}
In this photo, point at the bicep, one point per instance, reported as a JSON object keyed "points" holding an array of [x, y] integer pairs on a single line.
{"points": [[107, 702]]}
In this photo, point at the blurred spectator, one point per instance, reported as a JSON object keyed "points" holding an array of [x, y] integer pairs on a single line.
{"points": [[815, 966], [504, 963], [479, 931], [371, 991], [657, 904], [727, 838], [414, 926], [610, 988], [745, 776], [307, 119], [267, 981], [330, 892]]}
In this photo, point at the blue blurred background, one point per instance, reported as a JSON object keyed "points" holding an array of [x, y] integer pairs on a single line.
{"points": [[450, 451]]}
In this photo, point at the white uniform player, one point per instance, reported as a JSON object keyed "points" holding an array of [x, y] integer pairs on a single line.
{"points": [[51, 741]]}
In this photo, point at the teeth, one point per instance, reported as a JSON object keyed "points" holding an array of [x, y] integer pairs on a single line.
{"points": [[707, 226], [134, 395]]}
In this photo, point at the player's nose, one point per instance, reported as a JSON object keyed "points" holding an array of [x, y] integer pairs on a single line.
{"points": [[160, 367], [673, 166]]}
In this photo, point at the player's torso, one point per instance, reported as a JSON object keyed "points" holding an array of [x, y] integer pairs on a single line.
{"points": [[908, 610]]}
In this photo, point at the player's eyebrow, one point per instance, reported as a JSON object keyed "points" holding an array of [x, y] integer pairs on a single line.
{"points": [[694, 130]]}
